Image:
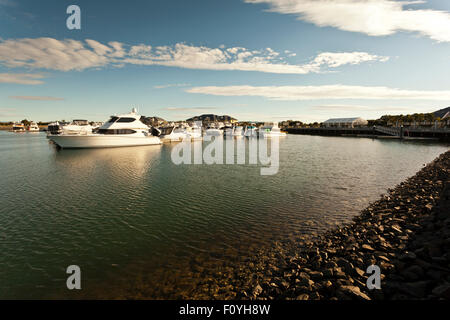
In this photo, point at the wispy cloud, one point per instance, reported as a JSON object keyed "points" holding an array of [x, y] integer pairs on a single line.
{"points": [[340, 109], [323, 92], [189, 108], [7, 112], [343, 107], [21, 78], [372, 17], [67, 55], [36, 98], [7, 3], [171, 85]]}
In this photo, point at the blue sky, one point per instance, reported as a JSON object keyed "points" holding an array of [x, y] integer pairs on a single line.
{"points": [[251, 59]]}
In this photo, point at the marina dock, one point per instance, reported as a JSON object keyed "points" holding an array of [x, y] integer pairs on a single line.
{"points": [[442, 134]]}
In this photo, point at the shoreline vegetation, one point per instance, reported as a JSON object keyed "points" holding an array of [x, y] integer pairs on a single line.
{"points": [[406, 233]]}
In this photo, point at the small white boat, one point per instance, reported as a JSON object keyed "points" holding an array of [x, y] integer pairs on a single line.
{"points": [[251, 131], [33, 127], [194, 132], [228, 131], [18, 127], [54, 128], [77, 127], [120, 131], [213, 131], [238, 131], [173, 133], [270, 129]]}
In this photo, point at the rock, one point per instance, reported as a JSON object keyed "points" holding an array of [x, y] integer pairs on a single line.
{"points": [[367, 247], [257, 290], [347, 266], [316, 275], [408, 256], [354, 292], [338, 273], [396, 228], [328, 273], [303, 296], [416, 289], [413, 273], [359, 272], [442, 291]]}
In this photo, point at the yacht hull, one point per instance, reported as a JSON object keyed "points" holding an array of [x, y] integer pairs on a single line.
{"points": [[214, 132], [102, 141], [272, 134]]}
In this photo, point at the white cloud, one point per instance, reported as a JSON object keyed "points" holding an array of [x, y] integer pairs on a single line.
{"points": [[188, 108], [7, 112], [49, 53], [170, 85], [372, 17], [21, 78], [36, 98], [66, 55], [323, 92]]}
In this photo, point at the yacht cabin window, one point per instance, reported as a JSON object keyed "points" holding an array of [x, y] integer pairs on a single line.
{"points": [[126, 120]]}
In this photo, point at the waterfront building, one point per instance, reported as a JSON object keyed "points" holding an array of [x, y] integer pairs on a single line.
{"points": [[345, 122]]}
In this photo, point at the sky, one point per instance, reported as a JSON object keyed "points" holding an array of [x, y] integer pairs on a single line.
{"points": [[258, 60]]}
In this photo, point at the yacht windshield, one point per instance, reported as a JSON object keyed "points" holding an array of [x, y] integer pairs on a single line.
{"points": [[113, 119], [127, 120]]}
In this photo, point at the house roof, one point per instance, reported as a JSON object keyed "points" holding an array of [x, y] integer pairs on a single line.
{"points": [[343, 120]]}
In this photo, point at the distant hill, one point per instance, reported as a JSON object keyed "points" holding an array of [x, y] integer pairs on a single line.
{"points": [[442, 112], [212, 118], [153, 121]]}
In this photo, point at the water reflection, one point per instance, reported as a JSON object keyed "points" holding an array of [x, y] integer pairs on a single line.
{"points": [[126, 164]]}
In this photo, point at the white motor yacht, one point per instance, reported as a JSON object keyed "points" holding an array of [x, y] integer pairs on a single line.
{"points": [[54, 128], [213, 130], [33, 127], [251, 131], [77, 127], [119, 131], [173, 133], [271, 129], [238, 131], [194, 132], [18, 127], [228, 131]]}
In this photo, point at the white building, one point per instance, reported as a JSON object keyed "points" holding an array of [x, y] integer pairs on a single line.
{"points": [[345, 122]]}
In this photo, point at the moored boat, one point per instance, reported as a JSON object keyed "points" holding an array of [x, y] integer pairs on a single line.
{"points": [[251, 131], [173, 133], [214, 130], [77, 127], [119, 131], [238, 131], [33, 127], [18, 127], [270, 129]]}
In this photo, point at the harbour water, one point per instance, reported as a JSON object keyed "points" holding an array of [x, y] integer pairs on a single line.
{"points": [[129, 217]]}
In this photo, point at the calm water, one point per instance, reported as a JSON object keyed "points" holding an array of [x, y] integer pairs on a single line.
{"points": [[129, 213]]}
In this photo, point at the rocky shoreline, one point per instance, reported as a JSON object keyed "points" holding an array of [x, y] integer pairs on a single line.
{"points": [[406, 233]]}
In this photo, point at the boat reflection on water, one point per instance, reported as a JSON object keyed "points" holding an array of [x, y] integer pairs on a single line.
{"points": [[125, 163]]}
